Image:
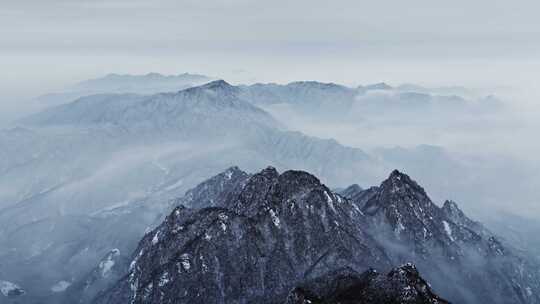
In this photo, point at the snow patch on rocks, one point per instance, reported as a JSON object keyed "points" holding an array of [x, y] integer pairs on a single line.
{"points": [[330, 201], [60, 286], [155, 239], [9, 289], [106, 264], [275, 218], [448, 230]]}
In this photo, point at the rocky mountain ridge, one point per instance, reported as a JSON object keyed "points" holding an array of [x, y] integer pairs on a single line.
{"points": [[277, 231], [344, 286]]}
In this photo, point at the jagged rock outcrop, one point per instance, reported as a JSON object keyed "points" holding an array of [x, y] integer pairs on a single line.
{"points": [[411, 214], [402, 285], [276, 231], [269, 233], [466, 262], [451, 211]]}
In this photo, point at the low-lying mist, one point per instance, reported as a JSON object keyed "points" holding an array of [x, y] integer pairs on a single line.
{"points": [[479, 151]]}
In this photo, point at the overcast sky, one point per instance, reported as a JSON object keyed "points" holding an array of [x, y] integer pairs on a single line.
{"points": [[46, 44]]}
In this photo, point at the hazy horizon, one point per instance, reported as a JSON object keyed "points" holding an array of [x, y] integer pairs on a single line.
{"points": [[47, 45]]}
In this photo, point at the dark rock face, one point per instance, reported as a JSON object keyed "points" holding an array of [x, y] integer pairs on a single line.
{"points": [[413, 217], [462, 259], [275, 232], [345, 286], [253, 239]]}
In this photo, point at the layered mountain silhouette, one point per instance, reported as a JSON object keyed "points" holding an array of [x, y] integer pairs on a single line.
{"points": [[83, 178], [336, 101], [103, 169], [203, 108], [147, 84]]}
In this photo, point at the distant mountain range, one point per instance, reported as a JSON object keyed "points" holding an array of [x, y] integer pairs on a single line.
{"points": [[336, 101], [81, 182], [151, 83], [148, 84], [207, 109], [310, 94]]}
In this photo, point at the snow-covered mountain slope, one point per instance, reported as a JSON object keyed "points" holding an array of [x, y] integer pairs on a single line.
{"points": [[215, 106], [93, 162], [148, 84], [87, 177], [270, 232], [92, 143]]}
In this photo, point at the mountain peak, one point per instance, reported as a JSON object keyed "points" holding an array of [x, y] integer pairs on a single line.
{"points": [[451, 205], [378, 86], [351, 191], [399, 182], [403, 202], [154, 74], [220, 87], [269, 172], [286, 226], [451, 210], [397, 174], [293, 229], [270, 189], [214, 191], [217, 85]]}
